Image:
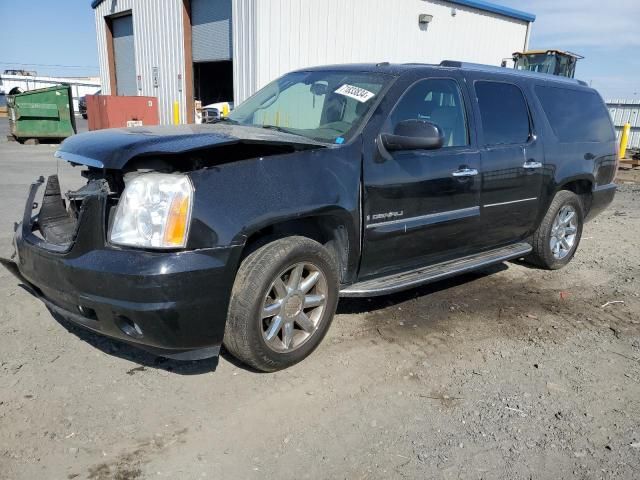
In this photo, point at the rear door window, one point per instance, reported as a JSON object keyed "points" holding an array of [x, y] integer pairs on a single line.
{"points": [[503, 112], [576, 115]]}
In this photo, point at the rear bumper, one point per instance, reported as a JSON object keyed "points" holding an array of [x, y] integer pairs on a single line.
{"points": [[172, 304], [601, 198]]}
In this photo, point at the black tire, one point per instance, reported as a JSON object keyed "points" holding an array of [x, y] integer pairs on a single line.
{"points": [[84, 115], [542, 255], [243, 336]]}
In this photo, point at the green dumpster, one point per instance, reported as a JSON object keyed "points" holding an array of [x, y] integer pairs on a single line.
{"points": [[46, 113]]}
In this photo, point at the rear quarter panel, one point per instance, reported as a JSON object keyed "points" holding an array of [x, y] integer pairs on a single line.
{"points": [[566, 162]]}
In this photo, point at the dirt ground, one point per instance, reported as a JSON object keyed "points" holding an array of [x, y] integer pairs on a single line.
{"points": [[509, 373]]}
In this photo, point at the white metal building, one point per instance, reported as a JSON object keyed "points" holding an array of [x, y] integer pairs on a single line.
{"points": [[626, 111], [222, 50]]}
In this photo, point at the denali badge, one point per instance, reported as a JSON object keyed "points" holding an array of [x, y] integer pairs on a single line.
{"points": [[385, 216]]}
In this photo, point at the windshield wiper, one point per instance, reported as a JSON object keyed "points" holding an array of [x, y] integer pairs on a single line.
{"points": [[225, 119], [272, 127], [280, 129]]}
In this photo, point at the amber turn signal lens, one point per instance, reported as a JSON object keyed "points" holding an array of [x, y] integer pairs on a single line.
{"points": [[175, 233]]}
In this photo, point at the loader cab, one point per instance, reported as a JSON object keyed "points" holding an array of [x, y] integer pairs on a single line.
{"points": [[554, 62]]}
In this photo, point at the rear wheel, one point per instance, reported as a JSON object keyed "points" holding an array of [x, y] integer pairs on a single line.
{"points": [[557, 238], [282, 304]]}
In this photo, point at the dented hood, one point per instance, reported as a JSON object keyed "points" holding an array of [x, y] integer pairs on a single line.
{"points": [[113, 148]]}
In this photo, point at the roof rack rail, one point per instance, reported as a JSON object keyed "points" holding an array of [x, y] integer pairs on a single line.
{"points": [[508, 71]]}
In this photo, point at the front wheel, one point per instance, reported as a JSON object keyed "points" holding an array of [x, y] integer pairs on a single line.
{"points": [[557, 238], [282, 303]]}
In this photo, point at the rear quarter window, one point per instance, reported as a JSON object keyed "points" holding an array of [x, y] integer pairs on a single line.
{"points": [[576, 116]]}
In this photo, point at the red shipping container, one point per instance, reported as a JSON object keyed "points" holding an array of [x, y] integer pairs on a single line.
{"points": [[112, 111]]}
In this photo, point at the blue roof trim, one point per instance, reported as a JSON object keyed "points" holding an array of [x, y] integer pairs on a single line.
{"points": [[95, 3], [499, 9]]}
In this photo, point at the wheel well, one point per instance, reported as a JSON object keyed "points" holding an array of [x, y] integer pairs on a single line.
{"points": [[582, 188], [327, 230]]}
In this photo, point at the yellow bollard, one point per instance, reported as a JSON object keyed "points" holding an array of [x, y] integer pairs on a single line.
{"points": [[176, 113], [624, 140]]}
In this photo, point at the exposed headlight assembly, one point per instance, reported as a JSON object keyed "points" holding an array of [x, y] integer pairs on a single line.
{"points": [[154, 212]]}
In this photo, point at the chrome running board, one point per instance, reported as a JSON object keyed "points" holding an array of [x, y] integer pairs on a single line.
{"points": [[420, 276]]}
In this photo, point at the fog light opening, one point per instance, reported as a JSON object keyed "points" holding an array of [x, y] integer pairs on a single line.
{"points": [[128, 327], [87, 312]]}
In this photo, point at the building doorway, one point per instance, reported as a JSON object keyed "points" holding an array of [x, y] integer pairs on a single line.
{"points": [[213, 81], [211, 45]]}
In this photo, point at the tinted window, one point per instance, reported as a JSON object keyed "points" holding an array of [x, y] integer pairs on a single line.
{"points": [[437, 101], [504, 114], [576, 116]]}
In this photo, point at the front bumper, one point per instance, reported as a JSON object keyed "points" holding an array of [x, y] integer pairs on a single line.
{"points": [[173, 304]]}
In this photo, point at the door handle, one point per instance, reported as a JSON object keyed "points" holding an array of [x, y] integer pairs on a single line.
{"points": [[465, 172], [532, 164]]}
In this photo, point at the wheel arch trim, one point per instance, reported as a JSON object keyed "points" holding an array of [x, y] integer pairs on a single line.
{"points": [[334, 227]]}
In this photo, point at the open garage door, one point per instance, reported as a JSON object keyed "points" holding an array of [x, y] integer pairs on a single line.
{"points": [[211, 30]]}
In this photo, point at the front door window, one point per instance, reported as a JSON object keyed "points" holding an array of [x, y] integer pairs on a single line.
{"points": [[437, 101]]}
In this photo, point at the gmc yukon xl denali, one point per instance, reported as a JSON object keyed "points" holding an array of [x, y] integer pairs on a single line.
{"points": [[350, 180]]}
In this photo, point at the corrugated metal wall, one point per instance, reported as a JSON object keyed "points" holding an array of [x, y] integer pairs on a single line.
{"points": [[292, 34], [623, 111], [243, 17], [159, 43]]}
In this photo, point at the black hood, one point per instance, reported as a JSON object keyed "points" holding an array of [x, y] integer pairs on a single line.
{"points": [[113, 148]]}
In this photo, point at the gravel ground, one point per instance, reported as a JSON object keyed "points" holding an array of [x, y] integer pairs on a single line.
{"points": [[509, 373]]}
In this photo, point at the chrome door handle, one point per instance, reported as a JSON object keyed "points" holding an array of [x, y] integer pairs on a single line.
{"points": [[532, 164], [465, 172]]}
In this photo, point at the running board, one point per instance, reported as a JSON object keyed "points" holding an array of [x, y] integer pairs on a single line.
{"points": [[413, 278]]}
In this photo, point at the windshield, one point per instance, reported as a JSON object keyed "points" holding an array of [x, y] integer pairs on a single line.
{"points": [[537, 62], [327, 106]]}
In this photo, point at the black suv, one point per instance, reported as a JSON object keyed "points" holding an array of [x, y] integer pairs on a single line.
{"points": [[351, 180]]}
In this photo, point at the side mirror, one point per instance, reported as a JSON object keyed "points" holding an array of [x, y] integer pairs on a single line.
{"points": [[414, 135]]}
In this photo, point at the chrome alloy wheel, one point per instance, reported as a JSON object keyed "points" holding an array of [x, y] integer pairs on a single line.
{"points": [[293, 307], [563, 232]]}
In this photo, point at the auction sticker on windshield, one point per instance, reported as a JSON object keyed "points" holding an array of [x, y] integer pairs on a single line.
{"points": [[357, 93]]}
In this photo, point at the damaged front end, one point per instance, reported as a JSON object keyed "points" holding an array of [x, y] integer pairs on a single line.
{"points": [[125, 245], [55, 223], [151, 299]]}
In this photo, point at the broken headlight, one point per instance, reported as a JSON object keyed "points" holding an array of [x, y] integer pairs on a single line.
{"points": [[154, 212]]}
